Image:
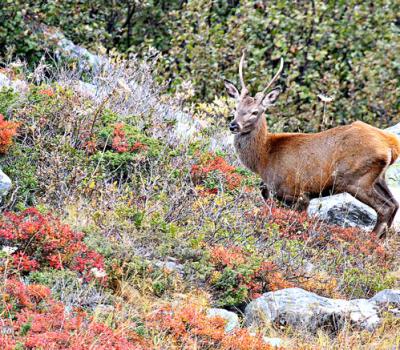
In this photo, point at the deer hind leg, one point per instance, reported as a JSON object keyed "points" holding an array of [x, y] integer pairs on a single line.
{"points": [[265, 192], [372, 194], [384, 190]]}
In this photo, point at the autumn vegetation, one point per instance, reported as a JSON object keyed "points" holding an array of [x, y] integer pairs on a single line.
{"points": [[120, 232]]}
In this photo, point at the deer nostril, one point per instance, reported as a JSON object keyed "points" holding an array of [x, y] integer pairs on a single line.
{"points": [[233, 126]]}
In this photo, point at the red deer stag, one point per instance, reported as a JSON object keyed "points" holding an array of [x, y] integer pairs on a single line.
{"points": [[297, 167]]}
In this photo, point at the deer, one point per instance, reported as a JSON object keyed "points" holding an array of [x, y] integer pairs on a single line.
{"points": [[297, 167]]}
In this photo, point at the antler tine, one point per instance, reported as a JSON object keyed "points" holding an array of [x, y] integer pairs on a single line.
{"points": [[241, 71], [276, 76]]}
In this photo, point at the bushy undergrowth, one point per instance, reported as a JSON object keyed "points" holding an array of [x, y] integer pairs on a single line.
{"points": [[135, 221]]}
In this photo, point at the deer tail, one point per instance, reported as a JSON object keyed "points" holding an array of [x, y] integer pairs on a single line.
{"points": [[394, 144]]}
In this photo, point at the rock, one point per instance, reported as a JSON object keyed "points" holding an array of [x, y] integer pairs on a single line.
{"points": [[65, 47], [343, 210], [85, 89], [387, 296], [388, 300], [186, 127], [170, 266], [5, 184], [308, 311], [275, 342], [393, 173], [17, 85], [4, 81], [232, 320]]}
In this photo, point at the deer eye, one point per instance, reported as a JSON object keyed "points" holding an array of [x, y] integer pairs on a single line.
{"points": [[254, 113]]}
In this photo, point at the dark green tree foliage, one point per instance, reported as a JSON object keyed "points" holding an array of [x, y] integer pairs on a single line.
{"points": [[348, 49]]}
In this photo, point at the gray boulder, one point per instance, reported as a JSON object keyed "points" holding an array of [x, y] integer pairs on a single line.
{"points": [[170, 266], [387, 296], [343, 210], [232, 320], [308, 311], [388, 300]]}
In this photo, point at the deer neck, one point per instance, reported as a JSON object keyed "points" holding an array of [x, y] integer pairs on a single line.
{"points": [[251, 147]]}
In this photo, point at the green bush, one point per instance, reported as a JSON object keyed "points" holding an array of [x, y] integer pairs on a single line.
{"points": [[345, 49]]}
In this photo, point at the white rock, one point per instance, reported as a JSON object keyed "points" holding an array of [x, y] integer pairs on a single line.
{"points": [[276, 342], [305, 310], [387, 296], [232, 320], [5, 184], [170, 266]]}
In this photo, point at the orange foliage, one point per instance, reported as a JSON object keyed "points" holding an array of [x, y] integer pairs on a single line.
{"points": [[7, 131], [34, 320], [120, 142], [230, 257], [265, 279], [46, 92], [190, 328], [213, 163]]}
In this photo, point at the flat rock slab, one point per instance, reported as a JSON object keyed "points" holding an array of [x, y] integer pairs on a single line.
{"points": [[307, 311]]}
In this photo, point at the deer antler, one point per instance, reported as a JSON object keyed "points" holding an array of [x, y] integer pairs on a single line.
{"points": [[241, 71], [276, 76]]}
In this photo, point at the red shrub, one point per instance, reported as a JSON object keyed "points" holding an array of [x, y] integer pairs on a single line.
{"points": [[7, 131], [119, 141], [297, 225], [46, 92], [227, 257], [42, 240], [212, 163], [34, 320], [190, 328]]}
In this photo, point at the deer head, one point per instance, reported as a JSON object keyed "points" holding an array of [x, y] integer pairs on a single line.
{"points": [[249, 109]]}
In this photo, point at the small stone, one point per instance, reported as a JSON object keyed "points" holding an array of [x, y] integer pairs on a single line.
{"points": [[232, 320], [5, 184], [275, 342]]}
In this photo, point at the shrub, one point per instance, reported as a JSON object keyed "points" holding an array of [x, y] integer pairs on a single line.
{"points": [[36, 321], [7, 131], [238, 276], [215, 174], [189, 327], [41, 240]]}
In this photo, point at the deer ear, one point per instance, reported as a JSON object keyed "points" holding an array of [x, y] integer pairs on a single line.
{"points": [[231, 89], [271, 97]]}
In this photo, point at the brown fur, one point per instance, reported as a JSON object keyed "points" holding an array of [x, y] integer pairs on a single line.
{"points": [[296, 167]]}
